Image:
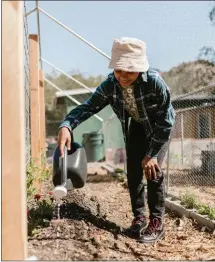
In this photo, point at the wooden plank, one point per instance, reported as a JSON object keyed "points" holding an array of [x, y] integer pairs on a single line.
{"points": [[14, 219], [42, 113], [34, 94]]}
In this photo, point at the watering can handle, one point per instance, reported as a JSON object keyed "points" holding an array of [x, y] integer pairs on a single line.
{"points": [[64, 166]]}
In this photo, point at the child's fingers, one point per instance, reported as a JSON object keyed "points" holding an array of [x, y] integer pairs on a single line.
{"points": [[158, 169], [154, 172], [149, 173], [68, 143]]}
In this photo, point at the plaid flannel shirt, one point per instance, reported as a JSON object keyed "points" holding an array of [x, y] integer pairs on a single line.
{"points": [[152, 97]]}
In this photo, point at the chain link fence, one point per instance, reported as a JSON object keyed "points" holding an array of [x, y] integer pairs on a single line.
{"points": [[27, 89], [190, 162]]}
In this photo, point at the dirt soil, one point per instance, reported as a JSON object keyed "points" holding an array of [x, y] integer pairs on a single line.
{"points": [[91, 228]]}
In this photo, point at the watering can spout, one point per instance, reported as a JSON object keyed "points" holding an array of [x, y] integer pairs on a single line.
{"points": [[59, 192]]}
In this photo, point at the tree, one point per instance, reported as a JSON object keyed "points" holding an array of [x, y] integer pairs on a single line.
{"points": [[212, 14], [207, 53], [65, 83]]}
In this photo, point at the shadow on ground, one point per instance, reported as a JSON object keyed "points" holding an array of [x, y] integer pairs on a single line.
{"points": [[75, 212]]}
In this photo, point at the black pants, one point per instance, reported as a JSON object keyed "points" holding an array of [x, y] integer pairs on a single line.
{"points": [[136, 150]]}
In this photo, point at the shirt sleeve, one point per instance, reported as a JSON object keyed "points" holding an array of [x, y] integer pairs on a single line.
{"points": [[97, 101], [165, 118]]}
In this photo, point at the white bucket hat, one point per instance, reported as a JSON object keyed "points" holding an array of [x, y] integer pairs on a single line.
{"points": [[129, 54]]}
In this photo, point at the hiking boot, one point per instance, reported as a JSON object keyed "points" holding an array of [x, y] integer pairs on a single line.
{"points": [[154, 232], [137, 227]]}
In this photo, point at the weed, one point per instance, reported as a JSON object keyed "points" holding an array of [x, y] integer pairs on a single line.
{"points": [[40, 207], [40, 213], [189, 200], [206, 210]]}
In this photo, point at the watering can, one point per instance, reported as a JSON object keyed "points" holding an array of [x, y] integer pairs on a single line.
{"points": [[70, 171]]}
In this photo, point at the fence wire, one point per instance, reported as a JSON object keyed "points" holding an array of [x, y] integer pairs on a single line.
{"points": [[191, 158], [27, 89]]}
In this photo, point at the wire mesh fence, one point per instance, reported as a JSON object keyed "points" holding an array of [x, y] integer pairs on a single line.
{"points": [[27, 89], [190, 162]]}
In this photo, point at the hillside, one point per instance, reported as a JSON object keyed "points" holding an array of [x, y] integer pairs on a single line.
{"points": [[189, 76]]}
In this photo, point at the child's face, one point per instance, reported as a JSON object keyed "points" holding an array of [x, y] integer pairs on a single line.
{"points": [[125, 78]]}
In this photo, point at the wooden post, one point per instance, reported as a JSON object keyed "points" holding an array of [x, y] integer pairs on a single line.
{"points": [[34, 101], [182, 139], [42, 114], [14, 215]]}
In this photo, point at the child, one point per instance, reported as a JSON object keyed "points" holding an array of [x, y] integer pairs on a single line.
{"points": [[134, 90]]}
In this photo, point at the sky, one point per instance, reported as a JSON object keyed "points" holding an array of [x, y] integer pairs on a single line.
{"points": [[173, 31]]}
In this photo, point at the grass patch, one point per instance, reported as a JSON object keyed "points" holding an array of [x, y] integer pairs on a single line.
{"points": [[207, 210], [121, 177], [190, 201]]}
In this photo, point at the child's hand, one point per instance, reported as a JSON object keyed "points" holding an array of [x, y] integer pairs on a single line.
{"points": [[150, 166], [64, 138]]}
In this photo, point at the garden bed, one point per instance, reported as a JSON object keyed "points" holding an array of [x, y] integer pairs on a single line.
{"points": [[92, 222]]}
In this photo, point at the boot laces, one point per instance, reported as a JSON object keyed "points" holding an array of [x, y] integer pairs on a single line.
{"points": [[138, 220], [153, 226]]}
